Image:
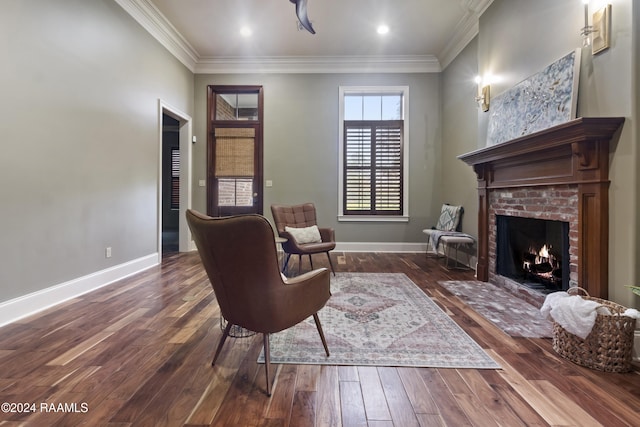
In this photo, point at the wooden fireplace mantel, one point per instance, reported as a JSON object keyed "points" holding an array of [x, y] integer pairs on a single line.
{"points": [[573, 153]]}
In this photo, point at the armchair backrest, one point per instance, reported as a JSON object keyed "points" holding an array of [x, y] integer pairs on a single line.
{"points": [[240, 258], [303, 215]]}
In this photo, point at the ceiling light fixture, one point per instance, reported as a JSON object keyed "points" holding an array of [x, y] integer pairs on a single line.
{"points": [[301, 13], [245, 31], [382, 29]]}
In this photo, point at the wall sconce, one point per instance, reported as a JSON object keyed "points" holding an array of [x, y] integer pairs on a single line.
{"points": [[484, 95], [601, 28], [587, 30]]}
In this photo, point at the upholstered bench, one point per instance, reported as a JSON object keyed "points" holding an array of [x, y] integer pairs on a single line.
{"points": [[455, 241], [449, 241]]}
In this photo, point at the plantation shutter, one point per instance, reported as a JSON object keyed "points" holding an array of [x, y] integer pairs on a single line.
{"points": [[358, 168], [175, 178], [373, 167], [388, 179]]}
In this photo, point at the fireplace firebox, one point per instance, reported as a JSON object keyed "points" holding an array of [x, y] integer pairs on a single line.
{"points": [[533, 252]]}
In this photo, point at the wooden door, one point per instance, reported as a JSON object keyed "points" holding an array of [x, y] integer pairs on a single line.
{"points": [[235, 151]]}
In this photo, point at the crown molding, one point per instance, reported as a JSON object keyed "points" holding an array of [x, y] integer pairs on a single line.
{"points": [[467, 29], [476, 6], [152, 20], [318, 65]]}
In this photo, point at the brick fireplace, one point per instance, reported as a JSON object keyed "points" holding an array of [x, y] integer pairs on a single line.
{"points": [[559, 174]]}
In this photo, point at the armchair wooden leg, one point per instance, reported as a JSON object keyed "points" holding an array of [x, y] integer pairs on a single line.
{"points": [[324, 341], [331, 264], [225, 334], [267, 362], [310, 261]]}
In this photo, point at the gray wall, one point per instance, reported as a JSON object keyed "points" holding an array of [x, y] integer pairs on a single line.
{"points": [[79, 82], [460, 127], [608, 87], [301, 146]]}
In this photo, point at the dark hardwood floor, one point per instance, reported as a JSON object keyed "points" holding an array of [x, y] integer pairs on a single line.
{"points": [[138, 353]]}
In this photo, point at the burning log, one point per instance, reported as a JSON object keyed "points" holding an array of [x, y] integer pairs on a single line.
{"points": [[543, 266]]}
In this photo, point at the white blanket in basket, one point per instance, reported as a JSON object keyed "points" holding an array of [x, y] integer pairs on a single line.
{"points": [[574, 313]]}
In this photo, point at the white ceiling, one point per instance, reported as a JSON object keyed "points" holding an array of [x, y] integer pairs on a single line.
{"points": [[424, 35]]}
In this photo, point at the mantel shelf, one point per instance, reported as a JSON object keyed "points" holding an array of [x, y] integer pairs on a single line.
{"points": [[579, 130]]}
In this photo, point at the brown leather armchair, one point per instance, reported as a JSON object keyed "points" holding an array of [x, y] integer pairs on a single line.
{"points": [[239, 256], [301, 216]]}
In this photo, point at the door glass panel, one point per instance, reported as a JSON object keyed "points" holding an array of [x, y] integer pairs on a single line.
{"points": [[235, 192], [247, 106], [237, 106]]}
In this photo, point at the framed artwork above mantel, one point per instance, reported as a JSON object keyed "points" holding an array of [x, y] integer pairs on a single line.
{"points": [[546, 99]]}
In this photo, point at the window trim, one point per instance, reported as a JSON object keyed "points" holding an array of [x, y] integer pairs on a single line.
{"points": [[346, 90]]}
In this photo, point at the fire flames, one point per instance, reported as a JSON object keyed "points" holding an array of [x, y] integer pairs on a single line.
{"points": [[543, 255], [541, 263]]}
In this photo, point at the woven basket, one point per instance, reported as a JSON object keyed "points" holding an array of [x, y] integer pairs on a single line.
{"points": [[607, 348]]}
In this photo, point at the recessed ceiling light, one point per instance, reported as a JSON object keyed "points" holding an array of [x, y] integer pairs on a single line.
{"points": [[245, 31], [382, 29]]}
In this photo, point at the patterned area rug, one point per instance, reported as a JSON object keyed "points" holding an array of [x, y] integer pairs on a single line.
{"points": [[380, 319], [513, 315]]}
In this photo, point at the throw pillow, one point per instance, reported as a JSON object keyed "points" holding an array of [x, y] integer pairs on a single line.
{"points": [[305, 234], [449, 218]]}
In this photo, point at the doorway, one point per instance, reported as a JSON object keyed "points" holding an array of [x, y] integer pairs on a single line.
{"points": [[170, 183], [174, 180]]}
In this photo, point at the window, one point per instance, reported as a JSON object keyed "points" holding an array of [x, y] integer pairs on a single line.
{"points": [[373, 160]]}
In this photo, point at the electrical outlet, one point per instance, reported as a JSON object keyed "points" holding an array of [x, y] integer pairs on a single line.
{"points": [[107, 252]]}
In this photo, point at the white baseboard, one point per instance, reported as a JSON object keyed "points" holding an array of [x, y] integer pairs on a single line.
{"points": [[390, 247], [369, 247], [29, 304]]}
